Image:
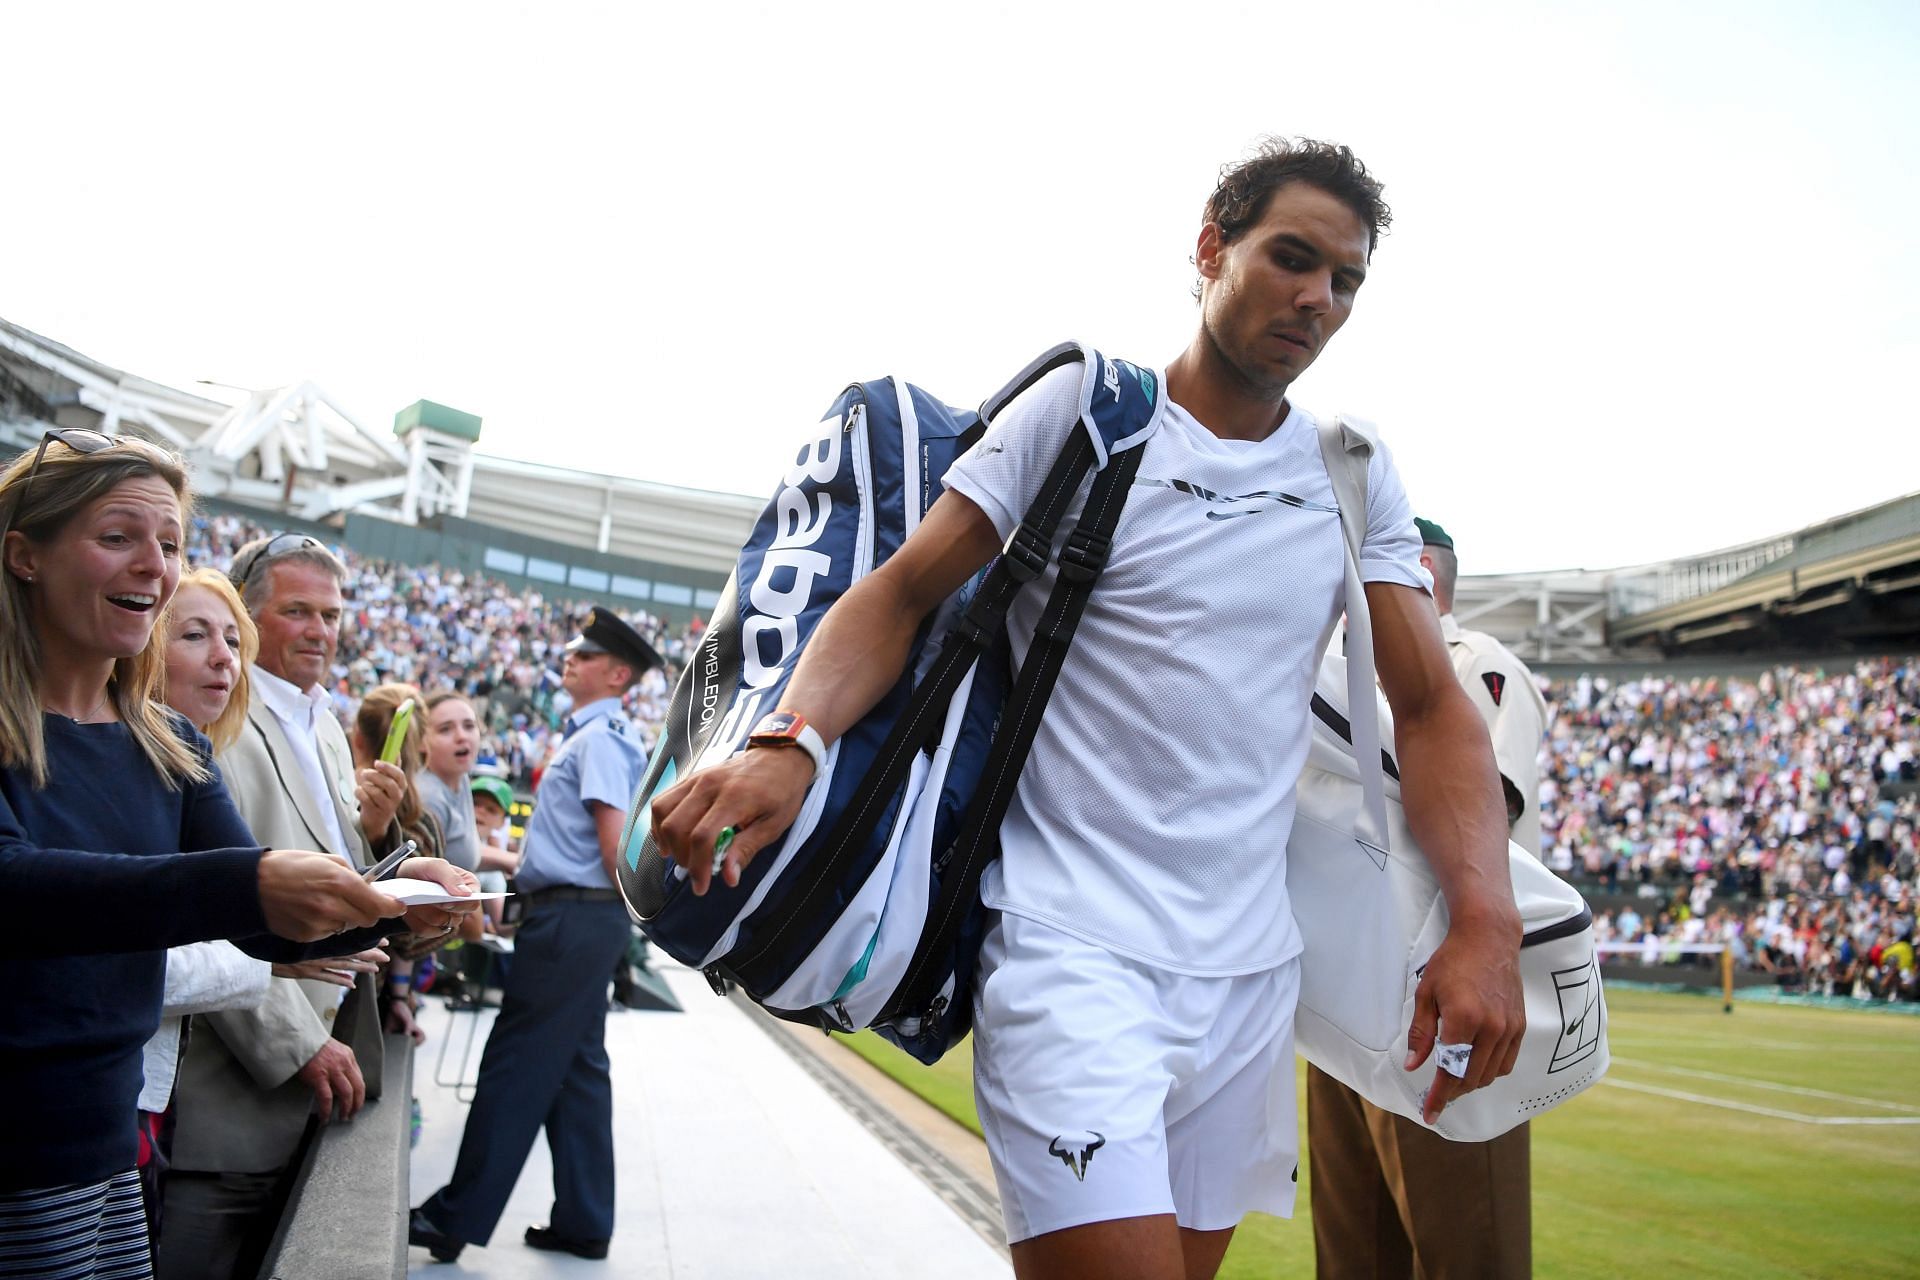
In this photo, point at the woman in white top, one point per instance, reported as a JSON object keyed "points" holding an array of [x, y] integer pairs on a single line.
{"points": [[210, 642]]}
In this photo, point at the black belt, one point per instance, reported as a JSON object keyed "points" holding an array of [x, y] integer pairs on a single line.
{"points": [[572, 893]]}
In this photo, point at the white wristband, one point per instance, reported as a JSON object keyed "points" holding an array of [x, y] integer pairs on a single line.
{"points": [[810, 741], [776, 729]]}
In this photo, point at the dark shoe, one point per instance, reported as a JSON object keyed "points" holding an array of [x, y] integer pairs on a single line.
{"points": [[553, 1242], [443, 1247]]}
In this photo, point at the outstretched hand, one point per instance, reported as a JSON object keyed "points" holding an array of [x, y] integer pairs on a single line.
{"points": [[341, 971], [758, 793], [439, 917], [309, 896], [1470, 994]]}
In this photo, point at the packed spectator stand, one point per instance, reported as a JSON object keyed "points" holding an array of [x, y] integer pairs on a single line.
{"points": [[1764, 814], [1775, 816], [475, 636]]}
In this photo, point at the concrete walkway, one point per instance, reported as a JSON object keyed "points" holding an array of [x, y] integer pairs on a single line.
{"points": [[742, 1155]]}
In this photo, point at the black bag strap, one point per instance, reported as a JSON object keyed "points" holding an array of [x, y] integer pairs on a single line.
{"points": [[1025, 558], [1343, 729], [1081, 561]]}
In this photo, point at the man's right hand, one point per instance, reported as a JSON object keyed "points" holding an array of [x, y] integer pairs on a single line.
{"points": [[341, 971], [855, 655], [309, 896], [758, 793], [334, 1076], [379, 788]]}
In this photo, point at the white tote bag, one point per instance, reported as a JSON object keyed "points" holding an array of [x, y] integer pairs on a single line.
{"points": [[1371, 914]]}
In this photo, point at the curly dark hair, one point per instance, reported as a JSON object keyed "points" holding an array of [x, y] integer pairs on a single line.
{"points": [[1237, 204]]}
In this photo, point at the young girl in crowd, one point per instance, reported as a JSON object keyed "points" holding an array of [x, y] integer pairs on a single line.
{"points": [[453, 738], [453, 735]]}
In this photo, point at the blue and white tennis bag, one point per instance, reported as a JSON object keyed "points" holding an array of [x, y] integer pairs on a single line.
{"points": [[867, 912]]}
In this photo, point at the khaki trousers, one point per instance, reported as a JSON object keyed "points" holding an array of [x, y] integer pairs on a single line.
{"points": [[1392, 1200]]}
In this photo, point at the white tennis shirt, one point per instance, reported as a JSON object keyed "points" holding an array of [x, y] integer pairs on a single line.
{"points": [[1153, 814]]}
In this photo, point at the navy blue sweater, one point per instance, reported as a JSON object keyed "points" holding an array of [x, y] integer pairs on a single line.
{"points": [[102, 870]]}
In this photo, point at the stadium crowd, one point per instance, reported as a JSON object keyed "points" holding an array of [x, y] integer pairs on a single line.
{"points": [[447, 631], [1750, 814], [1743, 812]]}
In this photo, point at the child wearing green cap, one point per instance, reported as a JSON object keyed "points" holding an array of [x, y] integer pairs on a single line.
{"points": [[492, 803]]}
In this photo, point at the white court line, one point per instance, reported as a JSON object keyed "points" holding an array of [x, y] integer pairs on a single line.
{"points": [[1745, 1041], [1731, 1105], [1768, 1084]]}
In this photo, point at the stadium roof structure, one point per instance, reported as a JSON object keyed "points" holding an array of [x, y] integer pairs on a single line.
{"points": [[1851, 583], [296, 451]]}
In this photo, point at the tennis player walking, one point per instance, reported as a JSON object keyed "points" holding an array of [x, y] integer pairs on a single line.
{"points": [[1134, 1012]]}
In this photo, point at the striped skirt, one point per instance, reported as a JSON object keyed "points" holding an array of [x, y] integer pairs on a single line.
{"points": [[93, 1231]]}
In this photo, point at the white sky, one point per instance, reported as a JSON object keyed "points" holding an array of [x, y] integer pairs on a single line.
{"points": [[1650, 291]]}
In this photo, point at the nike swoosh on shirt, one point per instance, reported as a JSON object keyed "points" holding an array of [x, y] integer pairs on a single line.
{"points": [[1272, 496]]}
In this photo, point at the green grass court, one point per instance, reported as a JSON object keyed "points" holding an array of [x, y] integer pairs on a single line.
{"points": [[1772, 1141]]}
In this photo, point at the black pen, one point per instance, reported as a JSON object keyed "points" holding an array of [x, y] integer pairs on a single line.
{"points": [[385, 867]]}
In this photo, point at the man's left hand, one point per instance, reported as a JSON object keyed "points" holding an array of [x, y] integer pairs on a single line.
{"points": [[439, 917], [379, 787], [1470, 994]]}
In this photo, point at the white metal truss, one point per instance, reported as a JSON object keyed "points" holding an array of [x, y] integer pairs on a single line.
{"points": [[292, 448], [298, 449], [299, 425], [439, 477], [115, 407], [176, 417], [1545, 617]]}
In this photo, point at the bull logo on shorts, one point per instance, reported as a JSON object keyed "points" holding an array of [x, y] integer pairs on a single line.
{"points": [[1075, 1150]]}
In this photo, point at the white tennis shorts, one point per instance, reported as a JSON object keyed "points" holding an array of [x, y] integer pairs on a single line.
{"points": [[1110, 1089]]}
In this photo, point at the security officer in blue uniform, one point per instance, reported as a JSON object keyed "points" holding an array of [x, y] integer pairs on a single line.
{"points": [[546, 1061]]}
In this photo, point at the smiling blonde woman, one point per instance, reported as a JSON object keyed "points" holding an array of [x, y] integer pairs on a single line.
{"points": [[211, 642], [104, 792]]}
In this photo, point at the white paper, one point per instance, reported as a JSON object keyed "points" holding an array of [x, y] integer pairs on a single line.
{"points": [[421, 893]]}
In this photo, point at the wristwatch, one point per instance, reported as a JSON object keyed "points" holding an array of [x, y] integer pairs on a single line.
{"points": [[790, 729]]}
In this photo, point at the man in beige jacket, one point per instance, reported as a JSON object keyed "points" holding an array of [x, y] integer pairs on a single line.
{"points": [[1390, 1198], [250, 1078]]}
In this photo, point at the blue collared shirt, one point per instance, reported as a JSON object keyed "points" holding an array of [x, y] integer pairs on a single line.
{"points": [[601, 760]]}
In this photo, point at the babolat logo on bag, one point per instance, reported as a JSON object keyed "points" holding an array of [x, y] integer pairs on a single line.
{"points": [[805, 550], [794, 561], [866, 911]]}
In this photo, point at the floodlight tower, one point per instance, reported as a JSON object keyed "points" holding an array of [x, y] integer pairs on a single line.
{"points": [[439, 443]]}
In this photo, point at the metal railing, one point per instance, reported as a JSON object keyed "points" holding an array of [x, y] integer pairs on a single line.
{"points": [[1689, 579]]}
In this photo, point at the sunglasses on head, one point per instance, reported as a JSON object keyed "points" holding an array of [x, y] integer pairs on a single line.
{"points": [[78, 439], [267, 552]]}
